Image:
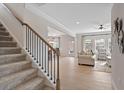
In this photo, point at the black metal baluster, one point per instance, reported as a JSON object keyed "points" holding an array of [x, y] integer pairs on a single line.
{"points": [[32, 44], [45, 57], [42, 56], [51, 64], [48, 63], [26, 37], [39, 52], [54, 69], [37, 49], [29, 40]]}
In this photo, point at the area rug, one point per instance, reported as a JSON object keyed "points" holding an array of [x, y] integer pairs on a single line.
{"points": [[102, 66]]}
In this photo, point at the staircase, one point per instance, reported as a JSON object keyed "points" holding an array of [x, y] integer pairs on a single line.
{"points": [[16, 72]]}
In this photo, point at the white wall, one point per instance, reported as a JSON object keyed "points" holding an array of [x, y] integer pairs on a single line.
{"points": [[51, 21], [12, 25], [78, 44], [66, 44], [38, 20], [17, 9], [46, 20], [23, 13], [37, 23], [117, 57]]}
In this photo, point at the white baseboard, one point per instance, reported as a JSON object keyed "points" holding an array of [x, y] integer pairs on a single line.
{"points": [[114, 87]]}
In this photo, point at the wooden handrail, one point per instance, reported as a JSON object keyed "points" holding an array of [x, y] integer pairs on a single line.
{"points": [[39, 36]]}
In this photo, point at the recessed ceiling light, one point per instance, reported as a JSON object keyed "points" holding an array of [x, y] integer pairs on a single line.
{"points": [[77, 22], [72, 41]]}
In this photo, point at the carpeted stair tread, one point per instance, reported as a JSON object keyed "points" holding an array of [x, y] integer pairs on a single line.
{"points": [[11, 81], [33, 84]]}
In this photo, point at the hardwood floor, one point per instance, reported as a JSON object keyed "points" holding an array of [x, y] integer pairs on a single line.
{"points": [[79, 77]]}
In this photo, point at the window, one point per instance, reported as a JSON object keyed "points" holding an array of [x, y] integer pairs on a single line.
{"points": [[87, 45], [109, 45], [99, 44]]}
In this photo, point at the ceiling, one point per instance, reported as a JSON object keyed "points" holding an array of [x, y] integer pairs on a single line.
{"points": [[54, 32], [80, 17]]}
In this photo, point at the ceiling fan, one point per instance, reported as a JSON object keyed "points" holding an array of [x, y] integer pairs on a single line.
{"points": [[101, 27]]}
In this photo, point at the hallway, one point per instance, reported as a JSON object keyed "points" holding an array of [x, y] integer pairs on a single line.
{"points": [[79, 77]]}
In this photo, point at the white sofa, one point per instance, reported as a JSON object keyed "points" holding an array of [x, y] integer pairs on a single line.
{"points": [[86, 60]]}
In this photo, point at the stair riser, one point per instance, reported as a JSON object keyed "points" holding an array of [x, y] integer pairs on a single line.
{"points": [[9, 51], [1, 25], [33, 75], [7, 44], [8, 59], [39, 87], [4, 33], [16, 81], [2, 28], [5, 38], [48, 88], [13, 68]]}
